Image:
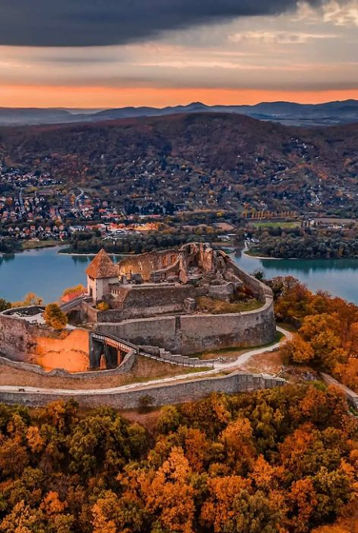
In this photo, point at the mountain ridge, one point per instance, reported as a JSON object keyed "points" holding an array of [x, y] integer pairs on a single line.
{"points": [[287, 113]]}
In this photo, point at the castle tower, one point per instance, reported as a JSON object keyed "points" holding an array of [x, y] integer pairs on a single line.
{"points": [[101, 272]]}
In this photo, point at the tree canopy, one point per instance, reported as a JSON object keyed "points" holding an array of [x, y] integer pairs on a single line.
{"points": [[275, 461]]}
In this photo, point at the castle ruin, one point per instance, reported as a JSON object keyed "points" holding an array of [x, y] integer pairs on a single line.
{"points": [[171, 304]]}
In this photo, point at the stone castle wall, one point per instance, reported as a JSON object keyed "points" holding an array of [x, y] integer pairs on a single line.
{"points": [[352, 397], [146, 263], [159, 394], [18, 337], [33, 343], [178, 333], [209, 332], [258, 289], [125, 367], [148, 300], [188, 334]]}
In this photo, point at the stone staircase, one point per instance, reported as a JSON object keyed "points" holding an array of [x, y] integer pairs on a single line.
{"points": [[164, 356]]}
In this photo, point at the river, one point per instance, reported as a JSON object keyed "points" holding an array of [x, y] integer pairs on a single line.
{"points": [[48, 273]]}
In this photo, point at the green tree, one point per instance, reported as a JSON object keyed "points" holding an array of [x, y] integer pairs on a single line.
{"points": [[4, 304], [169, 419]]}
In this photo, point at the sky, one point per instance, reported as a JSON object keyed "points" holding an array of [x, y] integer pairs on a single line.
{"points": [[115, 53]]}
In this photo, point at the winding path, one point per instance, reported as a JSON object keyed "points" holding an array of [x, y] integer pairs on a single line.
{"points": [[218, 367]]}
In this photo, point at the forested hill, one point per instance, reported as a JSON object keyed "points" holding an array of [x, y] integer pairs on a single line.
{"points": [[197, 160]]}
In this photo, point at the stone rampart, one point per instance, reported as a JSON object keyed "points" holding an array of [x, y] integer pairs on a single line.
{"points": [[352, 397], [188, 334], [125, 366], [209, 332], [153, 331], [258, 289], [18, 337], [149, 300], [159, 395], [89, 312], [181, 360], [146, 263]]}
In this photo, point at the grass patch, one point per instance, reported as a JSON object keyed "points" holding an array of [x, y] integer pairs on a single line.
{"points": [[217, 307], [276, 224], [238, 350], [181, 371]]}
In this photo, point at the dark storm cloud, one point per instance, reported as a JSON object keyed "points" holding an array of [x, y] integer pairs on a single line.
{"points": [[105, 22]]}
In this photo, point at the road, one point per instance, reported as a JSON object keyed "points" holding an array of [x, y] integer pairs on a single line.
{"points": [[219, 367]]}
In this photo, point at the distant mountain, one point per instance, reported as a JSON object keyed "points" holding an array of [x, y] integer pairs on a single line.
{"points": [[11, 116], [288, 113]]}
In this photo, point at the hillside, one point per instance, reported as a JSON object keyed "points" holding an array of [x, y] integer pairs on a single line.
{"points": [[197, 160]]}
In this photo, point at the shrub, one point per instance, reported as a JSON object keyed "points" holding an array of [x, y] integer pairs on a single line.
{"points": [[4, 304], [145, 403], [217, 307], [102, 306]]}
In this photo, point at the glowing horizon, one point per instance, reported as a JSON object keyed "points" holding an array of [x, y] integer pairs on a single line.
{"points": [[233, 52], [105, 97]]}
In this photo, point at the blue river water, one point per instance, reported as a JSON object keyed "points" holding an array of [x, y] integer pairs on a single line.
{"points": [[48, 273]]}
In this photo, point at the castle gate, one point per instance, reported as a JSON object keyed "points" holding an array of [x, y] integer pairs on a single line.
{"points": [[106, 351]]}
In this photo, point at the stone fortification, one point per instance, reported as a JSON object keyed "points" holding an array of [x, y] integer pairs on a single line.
{"points": [[32, 342], [146, 264], [153, 302], [158, 394], [352, 397], [18, 336], [151, 299], [188, 334], [156, 313]]}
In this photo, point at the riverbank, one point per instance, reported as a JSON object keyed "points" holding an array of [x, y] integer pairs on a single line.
{"points": [[91, 254], [37, 245], [247, 254]]}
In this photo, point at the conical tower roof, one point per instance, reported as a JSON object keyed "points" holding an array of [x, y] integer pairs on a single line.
{"points": [[102, 266]]}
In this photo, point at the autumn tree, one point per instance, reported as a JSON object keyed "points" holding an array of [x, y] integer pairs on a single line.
{"points": [[232, 506], [73, 292], [54, 317], [169, 419], [238, 444], [30, 299], [112, 514], [281, 460], [170, 496], [297, 350]]}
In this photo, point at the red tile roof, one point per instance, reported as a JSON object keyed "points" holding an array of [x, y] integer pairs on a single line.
{"points": [[102, 266]]}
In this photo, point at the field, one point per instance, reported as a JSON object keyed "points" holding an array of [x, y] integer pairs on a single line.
{"points": [[276, 224]]}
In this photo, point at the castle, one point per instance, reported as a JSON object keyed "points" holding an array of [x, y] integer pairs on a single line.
{"points": [[171, 304], [195, 270], [153, 300]]}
